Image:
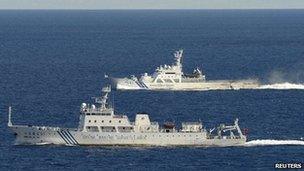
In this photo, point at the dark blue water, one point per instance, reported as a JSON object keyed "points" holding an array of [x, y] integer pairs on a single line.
{"points": [[52, 61]]}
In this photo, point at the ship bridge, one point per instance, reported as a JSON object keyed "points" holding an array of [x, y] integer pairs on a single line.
{"points": [[100, 117]]}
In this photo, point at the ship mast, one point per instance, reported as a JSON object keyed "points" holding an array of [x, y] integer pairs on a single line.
{"points": [[103, 100], [178, 57]]}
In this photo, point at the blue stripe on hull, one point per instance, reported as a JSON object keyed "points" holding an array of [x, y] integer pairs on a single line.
{"points": [[67, 137], [144, 85], [63, 137], [139, 85], [71, 136]]}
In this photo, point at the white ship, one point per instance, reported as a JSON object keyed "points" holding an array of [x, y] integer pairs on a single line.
{"points": [[98, 125], [171, 77]]}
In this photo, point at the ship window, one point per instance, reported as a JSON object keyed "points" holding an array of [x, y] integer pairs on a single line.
{"points": [[89, 120], [88, 114], [110, 121], [119, 121], [95, 121], [123, 127], [102, 121], [92, 128]]}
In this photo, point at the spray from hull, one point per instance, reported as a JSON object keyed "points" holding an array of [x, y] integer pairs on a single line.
{"points": [[271, 142]]}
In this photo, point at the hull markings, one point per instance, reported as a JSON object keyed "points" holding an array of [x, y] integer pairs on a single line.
{"points": [[63, 138], [71, 136], [67, 137]]}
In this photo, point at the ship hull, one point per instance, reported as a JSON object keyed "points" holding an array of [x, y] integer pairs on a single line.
{"points": [[35, 135], [129, 84]]}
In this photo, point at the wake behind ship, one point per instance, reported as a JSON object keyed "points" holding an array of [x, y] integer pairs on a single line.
{"points": [[171, 77], [99, 125]]}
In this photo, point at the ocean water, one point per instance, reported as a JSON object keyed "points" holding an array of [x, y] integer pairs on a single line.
{"points": [[52, 61]]}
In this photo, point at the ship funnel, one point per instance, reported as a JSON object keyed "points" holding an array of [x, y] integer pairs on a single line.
{"points": [[9, 123]]}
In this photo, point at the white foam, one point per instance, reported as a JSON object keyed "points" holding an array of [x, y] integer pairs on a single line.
{"points": [[273, 142], [282, 86], [43, 143]]}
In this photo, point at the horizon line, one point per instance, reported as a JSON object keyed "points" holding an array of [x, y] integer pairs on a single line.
{"points": [[152, 9]]}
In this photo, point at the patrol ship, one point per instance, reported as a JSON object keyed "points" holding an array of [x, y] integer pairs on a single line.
{"points": [[171, 77], [99, 125]]}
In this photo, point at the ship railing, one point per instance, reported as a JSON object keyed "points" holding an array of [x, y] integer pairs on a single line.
{"points": [[119, 116], [223, 137], [70, 129], [44, 128], [192, 80]]}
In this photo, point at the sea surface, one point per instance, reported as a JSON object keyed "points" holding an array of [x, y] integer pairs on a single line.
{"points": [[52, 61]]}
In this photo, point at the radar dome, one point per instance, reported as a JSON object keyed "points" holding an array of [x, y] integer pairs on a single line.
{"points": [[83, 105]]}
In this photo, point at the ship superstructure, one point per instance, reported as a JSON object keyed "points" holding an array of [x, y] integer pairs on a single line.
{"points": [[99, 125], [171, 77]]}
